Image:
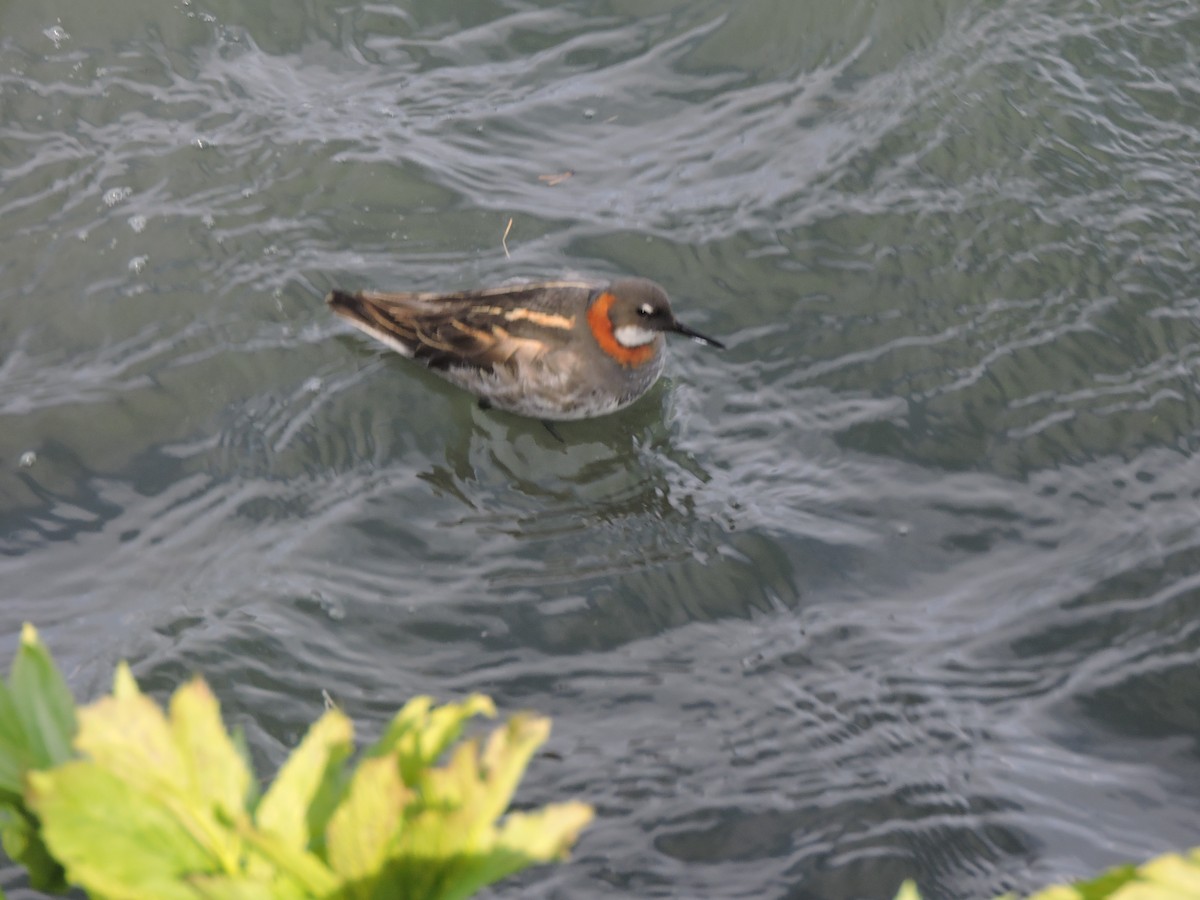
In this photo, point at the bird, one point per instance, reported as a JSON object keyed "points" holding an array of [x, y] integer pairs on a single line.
{"points": [[552, 350]]}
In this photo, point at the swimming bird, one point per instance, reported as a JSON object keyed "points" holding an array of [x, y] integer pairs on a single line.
{"points": [[554, 350]]}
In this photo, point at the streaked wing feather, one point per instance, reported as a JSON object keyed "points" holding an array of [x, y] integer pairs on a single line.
{"points": [[496, 327]]}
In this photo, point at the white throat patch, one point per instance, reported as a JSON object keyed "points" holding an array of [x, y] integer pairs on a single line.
{"points": [[634, 335]]}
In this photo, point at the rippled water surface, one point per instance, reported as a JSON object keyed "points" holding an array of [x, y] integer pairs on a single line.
{"points": [[906, 582]]}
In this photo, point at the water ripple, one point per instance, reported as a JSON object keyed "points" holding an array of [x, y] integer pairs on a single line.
{"points": [[902, 583]]}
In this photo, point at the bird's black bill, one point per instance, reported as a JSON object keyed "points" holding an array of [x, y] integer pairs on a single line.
{"points": [[680, 328]]}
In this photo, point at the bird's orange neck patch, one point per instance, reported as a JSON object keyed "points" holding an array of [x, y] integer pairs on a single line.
{"points": [[602, 330]]}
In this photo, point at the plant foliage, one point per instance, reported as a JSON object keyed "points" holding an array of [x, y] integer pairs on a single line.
{"points": [[37, 725], [164, 804], [1172, 876], [127, 800]]}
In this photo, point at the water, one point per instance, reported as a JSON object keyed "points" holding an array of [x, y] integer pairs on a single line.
{"points": [[904, 583]]}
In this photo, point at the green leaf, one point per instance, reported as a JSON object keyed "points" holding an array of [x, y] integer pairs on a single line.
{"points": [[482, 785], [42, 702], [222, 887], [124, 684], [364, 827], [127, 734], [1169, 877], [161, 804], [525, 839], [253, 794], [129, 737], [37, 721], [1092, 889], [21, 837], [286, 806], [114, 839], [420, 736], [507, 755], [908, 891], [546, 834], [217, 771], [15, 751], [300, 872], [450, 845]]}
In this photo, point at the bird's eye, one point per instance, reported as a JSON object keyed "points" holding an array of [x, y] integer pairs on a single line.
{"points": [[645, 310]]}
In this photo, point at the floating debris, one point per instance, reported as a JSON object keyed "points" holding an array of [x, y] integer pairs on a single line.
{"points": [[552, 180]]}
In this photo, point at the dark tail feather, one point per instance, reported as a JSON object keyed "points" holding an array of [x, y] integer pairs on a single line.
{"points": [[372, 319], [345, 304], [355, 308]]}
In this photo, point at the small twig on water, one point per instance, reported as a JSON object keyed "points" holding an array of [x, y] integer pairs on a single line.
{"points": [[504, 239]]}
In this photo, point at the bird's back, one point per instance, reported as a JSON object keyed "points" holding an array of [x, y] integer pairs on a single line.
{"points": [[481, 329]]}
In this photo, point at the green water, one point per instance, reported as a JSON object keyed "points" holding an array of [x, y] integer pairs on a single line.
{"points": [[903, 583]]}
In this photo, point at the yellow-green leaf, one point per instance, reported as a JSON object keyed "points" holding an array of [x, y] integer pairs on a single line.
{"points": [[297, 869], [127, 734], [284, 810], [223, 887], [506, 756], [160, 805], [124, 684], [545, 834], [1169, 877], [216, 769], [420, 735], [364, 827], [1175, 872], [525, 839], [450, 845], [114, 840], [479, 787]]}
